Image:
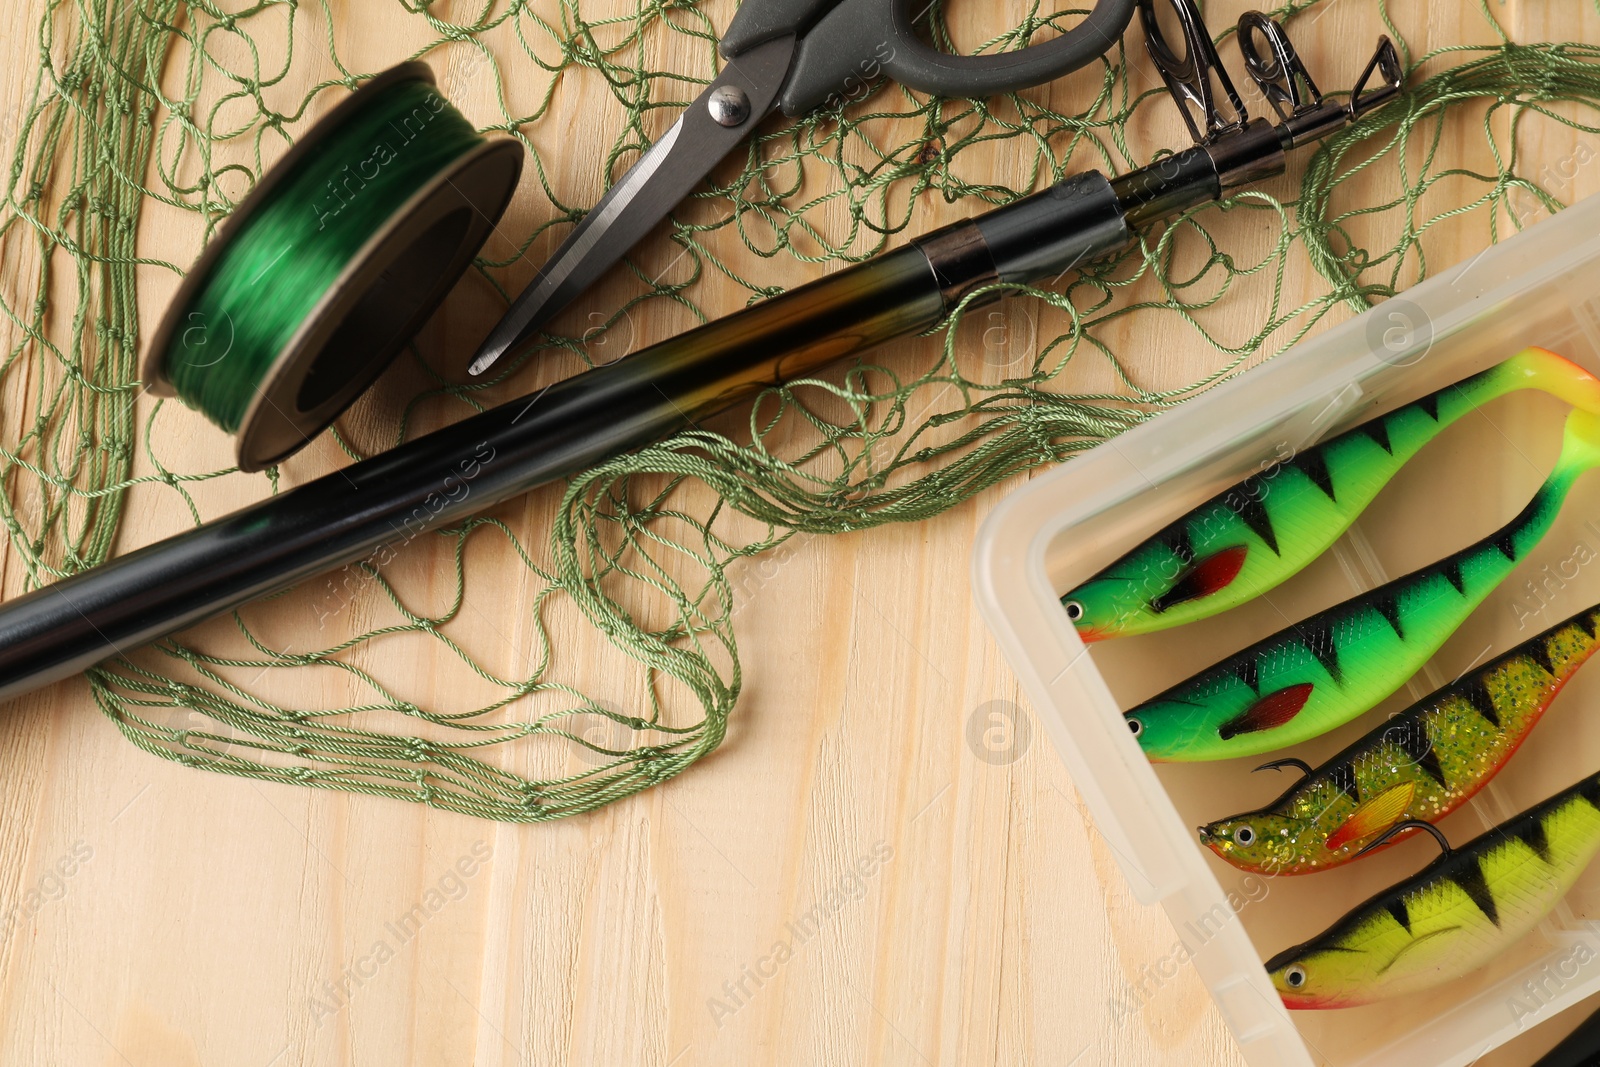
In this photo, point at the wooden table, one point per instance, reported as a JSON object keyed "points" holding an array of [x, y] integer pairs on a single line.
{"points": [[157, 915]]}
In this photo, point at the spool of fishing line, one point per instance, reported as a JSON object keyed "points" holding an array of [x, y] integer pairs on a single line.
{"points": [[330, 264]]}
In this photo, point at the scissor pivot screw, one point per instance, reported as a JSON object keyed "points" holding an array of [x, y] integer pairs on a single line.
{"points": [[728, 105]]}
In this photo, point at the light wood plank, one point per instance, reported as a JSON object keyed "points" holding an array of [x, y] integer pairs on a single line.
{"points": [[208, 920]]}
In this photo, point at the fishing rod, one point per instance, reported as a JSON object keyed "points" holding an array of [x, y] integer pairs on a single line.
{"points": [[355, 512]]}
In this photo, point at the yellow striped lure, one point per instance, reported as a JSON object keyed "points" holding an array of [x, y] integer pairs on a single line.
{"points": [[1422, 764], [1260, 532], [1455, 915], [1323, 671]]}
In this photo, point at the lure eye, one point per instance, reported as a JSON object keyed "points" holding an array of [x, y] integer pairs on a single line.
{"points": [[1295, 976], [1074, 610], [1244, 837], [1136, 726]]}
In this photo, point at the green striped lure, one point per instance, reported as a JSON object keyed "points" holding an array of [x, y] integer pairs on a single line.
{"points": [[1323, 671], [1422, 764], [1452, 917], [1243, 542]]}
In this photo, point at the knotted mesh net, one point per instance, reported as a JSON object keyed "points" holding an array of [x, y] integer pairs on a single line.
{"points": [[149, 109]]}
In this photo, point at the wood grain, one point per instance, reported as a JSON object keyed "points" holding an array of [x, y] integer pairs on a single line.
{"points": [[847, 881]]}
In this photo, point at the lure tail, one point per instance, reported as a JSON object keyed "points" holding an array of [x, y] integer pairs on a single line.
{"points": [[1580, 446], [1248, 539], [1541, 369]]}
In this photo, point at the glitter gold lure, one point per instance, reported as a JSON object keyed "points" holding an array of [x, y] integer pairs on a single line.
{"points": [[1422, 764]]}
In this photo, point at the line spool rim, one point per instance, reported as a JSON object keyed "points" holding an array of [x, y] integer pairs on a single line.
{"points": [[445, 221]]}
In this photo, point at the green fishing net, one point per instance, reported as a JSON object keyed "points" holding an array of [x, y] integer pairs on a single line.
{"points": [[142, 105]]}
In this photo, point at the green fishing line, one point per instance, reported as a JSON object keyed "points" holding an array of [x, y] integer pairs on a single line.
{"points": [[278, 266]]}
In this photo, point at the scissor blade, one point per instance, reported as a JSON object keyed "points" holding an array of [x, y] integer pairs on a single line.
{"points": [[652, 187]]}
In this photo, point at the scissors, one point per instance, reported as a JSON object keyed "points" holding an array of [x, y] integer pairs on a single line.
{"points": [[789, 56]]}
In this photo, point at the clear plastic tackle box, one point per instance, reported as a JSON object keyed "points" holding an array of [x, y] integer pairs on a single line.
{"points": [[1541, 287]]}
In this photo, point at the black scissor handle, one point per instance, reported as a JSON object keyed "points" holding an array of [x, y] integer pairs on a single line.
{"points": [[855, 41], [1189, 76], [929, 70]]}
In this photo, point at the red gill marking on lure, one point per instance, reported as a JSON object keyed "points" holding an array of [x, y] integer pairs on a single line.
{"points": [[1373, 816], [1207, 576], [1270, 712], [1319, 1002]]}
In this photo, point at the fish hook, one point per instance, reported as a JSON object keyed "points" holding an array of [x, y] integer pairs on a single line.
{"points": [[1410, 824], [1288, 761]]}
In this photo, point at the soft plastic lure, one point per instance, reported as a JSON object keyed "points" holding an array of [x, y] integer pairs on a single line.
{"points": [[1323, 671], [1248, 539], [1422, 764], [1455, 915]]}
